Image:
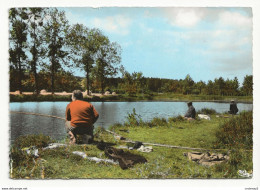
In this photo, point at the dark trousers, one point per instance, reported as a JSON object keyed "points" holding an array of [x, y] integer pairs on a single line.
{"points": [[81, 131]]}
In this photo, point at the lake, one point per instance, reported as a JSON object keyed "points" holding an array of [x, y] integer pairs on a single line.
{"points": [[110, 113]]}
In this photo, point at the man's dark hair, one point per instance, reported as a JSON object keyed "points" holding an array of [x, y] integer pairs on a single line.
{"points": [[189, 103], [78, 95]]}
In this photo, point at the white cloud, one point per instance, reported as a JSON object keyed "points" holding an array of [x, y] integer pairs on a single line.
{"points": [[183, 17], [186, 18], [191, 17], [235, 19], [118, 24]]}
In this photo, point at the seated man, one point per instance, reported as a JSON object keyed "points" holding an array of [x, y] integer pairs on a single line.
{"points": [[233, 108], [191, 113], [80, 117]]}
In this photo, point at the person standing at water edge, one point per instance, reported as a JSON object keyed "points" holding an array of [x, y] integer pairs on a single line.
{"points": [[191, 113], [233, 108], [80, 117]]}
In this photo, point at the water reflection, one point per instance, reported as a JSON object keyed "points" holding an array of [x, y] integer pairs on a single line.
{"points": [[110, 113]]}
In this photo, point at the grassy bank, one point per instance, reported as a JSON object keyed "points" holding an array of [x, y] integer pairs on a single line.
{"points": [[138, 97], [216, 98], [162, 162]]}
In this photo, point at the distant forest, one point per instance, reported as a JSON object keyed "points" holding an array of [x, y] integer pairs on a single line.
{"points": [[44, 50]]}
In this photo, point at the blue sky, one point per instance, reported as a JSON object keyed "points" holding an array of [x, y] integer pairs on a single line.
{"points": [[172, 42]]}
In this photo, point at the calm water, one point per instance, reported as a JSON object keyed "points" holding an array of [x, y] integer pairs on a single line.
{"points": [[110, 113]]}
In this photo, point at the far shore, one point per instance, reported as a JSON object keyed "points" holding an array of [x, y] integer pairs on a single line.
{"points": [[55, 93], [108, 97]]}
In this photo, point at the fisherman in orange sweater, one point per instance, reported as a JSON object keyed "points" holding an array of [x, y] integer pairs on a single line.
{"points": [[80, 117]]}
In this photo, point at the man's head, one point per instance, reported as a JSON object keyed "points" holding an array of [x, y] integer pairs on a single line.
{"points": [[77, 95], [189, 104]]}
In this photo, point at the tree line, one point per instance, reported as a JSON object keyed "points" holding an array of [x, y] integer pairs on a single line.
{"points": [[136, 83], [44, 50]]}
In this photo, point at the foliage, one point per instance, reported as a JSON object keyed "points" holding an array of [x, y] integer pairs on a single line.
{"points": [[247, 88], [107, 61], [157, 122], [83, 48], [134, 83], [187, 84], [54, 36], [35, 19], [176, 119], [18, 38], [236, 133], [38, 141], [133, 119], [207, 111]]}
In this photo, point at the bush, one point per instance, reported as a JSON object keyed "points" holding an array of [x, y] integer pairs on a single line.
{"points": [[207, 111], [133, 119], [236, 133]]}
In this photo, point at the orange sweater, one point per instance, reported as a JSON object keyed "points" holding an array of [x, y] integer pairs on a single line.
{"points": [[81, 113]]}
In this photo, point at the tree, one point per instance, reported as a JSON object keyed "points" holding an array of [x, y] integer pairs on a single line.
{"points": [[55, 31], [35, 20], [134, 83], [188, 84], [235, 86], [108, 58], [210, 87], [84, 47], [220, 85], [200, 85], [247, 87], [18, 38]]}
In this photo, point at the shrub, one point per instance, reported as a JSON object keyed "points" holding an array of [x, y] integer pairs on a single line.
{"points": [[236, 132], [207, 111], [133, 118]]}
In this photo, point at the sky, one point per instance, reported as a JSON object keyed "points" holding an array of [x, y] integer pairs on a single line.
{"points": [[206, 43]]}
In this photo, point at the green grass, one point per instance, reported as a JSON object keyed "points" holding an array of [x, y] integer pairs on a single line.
{"points": [[162, 162]]}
